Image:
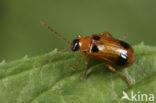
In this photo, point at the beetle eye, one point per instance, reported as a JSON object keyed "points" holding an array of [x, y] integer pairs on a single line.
{"points": [[75, 45]]}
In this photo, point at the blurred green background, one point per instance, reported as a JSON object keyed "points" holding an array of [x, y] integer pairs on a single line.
{"points": [[21, 33]]}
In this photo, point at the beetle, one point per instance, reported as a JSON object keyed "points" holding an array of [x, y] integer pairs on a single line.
{"points": [[113, 52]]}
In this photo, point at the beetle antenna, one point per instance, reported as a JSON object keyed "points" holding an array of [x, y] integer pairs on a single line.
{"points": [[48, 60], [55, 32]]}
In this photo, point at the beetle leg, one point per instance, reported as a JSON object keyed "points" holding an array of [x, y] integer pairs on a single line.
{"points": [[82, 54], [104, 33], [122, 38], [86, 64], [122, 75]]}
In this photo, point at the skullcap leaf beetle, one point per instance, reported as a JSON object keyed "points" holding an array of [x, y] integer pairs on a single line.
{"points": [[113, 52]]}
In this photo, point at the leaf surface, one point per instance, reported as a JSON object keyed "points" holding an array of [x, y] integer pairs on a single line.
{"points": [[58, 83]]}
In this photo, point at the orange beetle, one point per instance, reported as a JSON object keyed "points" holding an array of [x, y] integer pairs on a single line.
{"points": [[113, 52]]}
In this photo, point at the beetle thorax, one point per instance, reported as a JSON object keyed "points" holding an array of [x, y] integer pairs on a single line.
{"points": [[84, 43]]}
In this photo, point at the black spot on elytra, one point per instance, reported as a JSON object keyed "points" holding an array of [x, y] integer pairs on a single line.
{"points": [[122, 59], [125, 45], [94, 48], [96, 37]]}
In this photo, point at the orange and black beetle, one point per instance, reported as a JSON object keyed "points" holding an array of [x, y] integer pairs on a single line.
{"points": [[113, 52]]}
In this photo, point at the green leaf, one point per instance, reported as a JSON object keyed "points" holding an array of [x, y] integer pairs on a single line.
{"points": [[58, 83]]}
